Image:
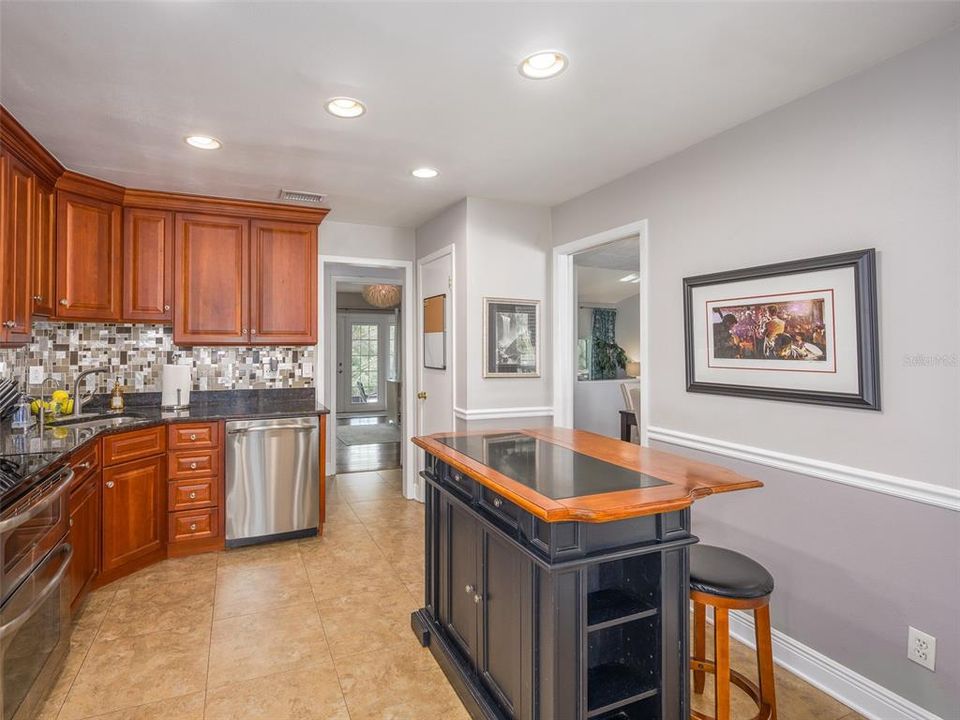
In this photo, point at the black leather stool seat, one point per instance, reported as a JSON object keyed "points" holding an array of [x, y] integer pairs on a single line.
{"points": [[718, 571]]}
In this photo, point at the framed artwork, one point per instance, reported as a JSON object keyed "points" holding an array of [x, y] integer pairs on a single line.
{"points": [[435, 332], [511, 338], [801, 331]]}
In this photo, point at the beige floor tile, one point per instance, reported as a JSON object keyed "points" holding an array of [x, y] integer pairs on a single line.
{"points": [[276, 640], [187, 707], [394, 475], [181, 607], [360, 623], [368, 486], [184, 570], [309, 694], [131, 671], [402, 683], [344, 575], [389, 512], [340, 514], [259, 555], [243, 588]]}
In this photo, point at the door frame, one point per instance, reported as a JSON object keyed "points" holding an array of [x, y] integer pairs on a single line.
{"points": [[565, 321], [325, 381], [345, 319], [451, 324]]}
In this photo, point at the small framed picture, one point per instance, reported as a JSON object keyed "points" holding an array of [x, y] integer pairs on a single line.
{"points": [[435, 332], [801, 331], [511, 338]]}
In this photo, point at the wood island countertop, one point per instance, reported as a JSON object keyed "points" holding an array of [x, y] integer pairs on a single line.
{"points": [[554, 473]]}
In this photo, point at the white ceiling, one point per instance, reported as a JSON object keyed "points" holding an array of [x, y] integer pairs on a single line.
{"points": [[617, 255], [112, 88], [603, 286]]}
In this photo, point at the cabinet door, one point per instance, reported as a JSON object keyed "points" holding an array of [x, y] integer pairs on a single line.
{"points": [[283, 283], [88, 258], [44, 244], [461, 593], [505, 657], [84, 537], [17, 237], [211, 280], [133, 510], [147, 265]]}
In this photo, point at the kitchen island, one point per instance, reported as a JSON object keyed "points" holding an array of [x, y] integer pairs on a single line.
{"points": [[556, 582]]}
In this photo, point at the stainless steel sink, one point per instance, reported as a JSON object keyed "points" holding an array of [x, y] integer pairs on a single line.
{"points": [[90, 420]]}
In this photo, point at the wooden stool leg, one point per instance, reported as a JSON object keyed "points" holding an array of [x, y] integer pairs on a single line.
{"points": [[765, 659], [699, 644], [721, 653]]}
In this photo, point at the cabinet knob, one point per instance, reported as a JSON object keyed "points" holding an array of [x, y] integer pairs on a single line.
{"points": [[83, 465], [469, 589], [63, 301], [497, 502], [193, 466], [109, 483], [71, 522], [476, 599], [193, 436], [38, 298], [193, 526], [193, 495], [243, 331], [253, 331], [8, 323], [166, 308]]}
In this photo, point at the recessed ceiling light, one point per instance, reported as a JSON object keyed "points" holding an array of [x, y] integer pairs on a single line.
{"points": [[543, 64], [629, 278], [203, 142], [425, 173], [345, 107]]}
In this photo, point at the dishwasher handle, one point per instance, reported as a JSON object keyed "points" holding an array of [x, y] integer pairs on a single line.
{"points": [[300, 428]]}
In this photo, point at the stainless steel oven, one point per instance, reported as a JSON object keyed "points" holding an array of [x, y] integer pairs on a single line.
{"points": [[35, 609]]}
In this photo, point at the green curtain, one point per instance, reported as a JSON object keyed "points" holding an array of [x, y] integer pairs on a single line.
{"points": [[605, 330]]}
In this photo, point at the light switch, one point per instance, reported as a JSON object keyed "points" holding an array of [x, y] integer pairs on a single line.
{"points": [[36, 374]]}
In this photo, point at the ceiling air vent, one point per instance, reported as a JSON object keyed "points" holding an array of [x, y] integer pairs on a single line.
{"points": [[300, 196]]}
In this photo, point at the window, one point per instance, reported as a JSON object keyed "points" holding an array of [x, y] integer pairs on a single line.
{"points": [[365, 362], [392, 352]]}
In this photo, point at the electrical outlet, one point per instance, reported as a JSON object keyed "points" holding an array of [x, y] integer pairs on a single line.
{"points": [[921, 648], [36, 374]]}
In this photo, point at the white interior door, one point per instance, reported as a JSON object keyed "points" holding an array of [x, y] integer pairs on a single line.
{"points": [[362, 347], [435, 395]]}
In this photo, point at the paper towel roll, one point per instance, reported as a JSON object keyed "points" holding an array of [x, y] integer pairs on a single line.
{"points": [[175, 377]]}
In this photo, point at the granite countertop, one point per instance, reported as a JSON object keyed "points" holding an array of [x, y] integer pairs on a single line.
{"points": [[204, 406]]}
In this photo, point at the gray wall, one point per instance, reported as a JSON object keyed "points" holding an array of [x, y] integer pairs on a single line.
{"points": [[870, 161]]}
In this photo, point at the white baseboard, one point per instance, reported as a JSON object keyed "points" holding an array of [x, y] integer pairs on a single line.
{"points": [[838, 681], [502, 413], [915, 490]]}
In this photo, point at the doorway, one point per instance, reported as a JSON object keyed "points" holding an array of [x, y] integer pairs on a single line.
{"points": [[365, 358], [600, 367]]}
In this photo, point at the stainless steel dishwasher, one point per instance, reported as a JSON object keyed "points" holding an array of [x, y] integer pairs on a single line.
{"points": [[272, 479]]}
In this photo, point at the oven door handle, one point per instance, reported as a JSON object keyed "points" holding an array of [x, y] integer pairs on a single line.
{"points": [[67, 550], [20, 518]]}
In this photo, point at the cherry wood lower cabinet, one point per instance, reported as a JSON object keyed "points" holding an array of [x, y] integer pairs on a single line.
{"points": [[134, 512], [194, 489], [85, 538]]}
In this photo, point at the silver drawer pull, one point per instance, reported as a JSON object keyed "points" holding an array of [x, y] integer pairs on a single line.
{"points": [[193, 526], [498, 502], [469, 589], [477, 599], [193, 495], [193, 466], [84, 465], [193, 436]]}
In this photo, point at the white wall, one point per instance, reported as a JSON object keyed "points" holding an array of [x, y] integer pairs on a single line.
{"points": [[369, 241], [871, 161], [628, 326], [597, 405]]}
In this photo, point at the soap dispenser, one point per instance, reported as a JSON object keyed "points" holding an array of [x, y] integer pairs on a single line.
{"points": [[116, 397]]}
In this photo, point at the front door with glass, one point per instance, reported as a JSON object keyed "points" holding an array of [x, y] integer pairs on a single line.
{"points": [[362, 363]]}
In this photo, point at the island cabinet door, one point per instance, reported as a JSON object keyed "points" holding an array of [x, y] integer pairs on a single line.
{"points": [[460, 593], [505, 658]]}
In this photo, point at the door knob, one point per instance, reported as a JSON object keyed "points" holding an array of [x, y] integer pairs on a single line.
{"points": [[421, 395]]}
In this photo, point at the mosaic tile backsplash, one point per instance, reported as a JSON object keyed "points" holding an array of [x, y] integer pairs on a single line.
{"points": [[136, 354]]}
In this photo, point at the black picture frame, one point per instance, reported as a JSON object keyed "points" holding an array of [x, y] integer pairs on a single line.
{"points": [[864, 264]]}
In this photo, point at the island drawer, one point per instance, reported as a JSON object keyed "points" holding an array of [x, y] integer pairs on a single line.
{"points": [[123, 447], [459, 482], [193, 525], [194, 435], [190, 494], [500, 508], [193, 463]]}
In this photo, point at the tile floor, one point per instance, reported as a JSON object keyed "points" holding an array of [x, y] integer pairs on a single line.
{"points": [[310, 630]]}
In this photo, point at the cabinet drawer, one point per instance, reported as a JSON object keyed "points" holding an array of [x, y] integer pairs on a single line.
{"points": [[459, 482], [193, 525], [134, 445], [500, 508], [193, 463], [85, 464], [192, 494], [194, 435]]}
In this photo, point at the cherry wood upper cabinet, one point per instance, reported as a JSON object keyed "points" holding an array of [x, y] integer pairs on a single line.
{"points": [[211, 280], [88, 258], [283, 283], [16, 240], [147, 265], [44, 288], [134, 511]]}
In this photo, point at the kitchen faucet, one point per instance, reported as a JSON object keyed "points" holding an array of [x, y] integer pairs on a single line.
{"points": [[78, 400]]}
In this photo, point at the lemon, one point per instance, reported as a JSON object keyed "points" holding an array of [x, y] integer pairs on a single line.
{"points": [[68, 407], [60, 396], [35, 407]]}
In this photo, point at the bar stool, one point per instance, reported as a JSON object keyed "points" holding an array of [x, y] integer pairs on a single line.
{"points": [[727, 580]]}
